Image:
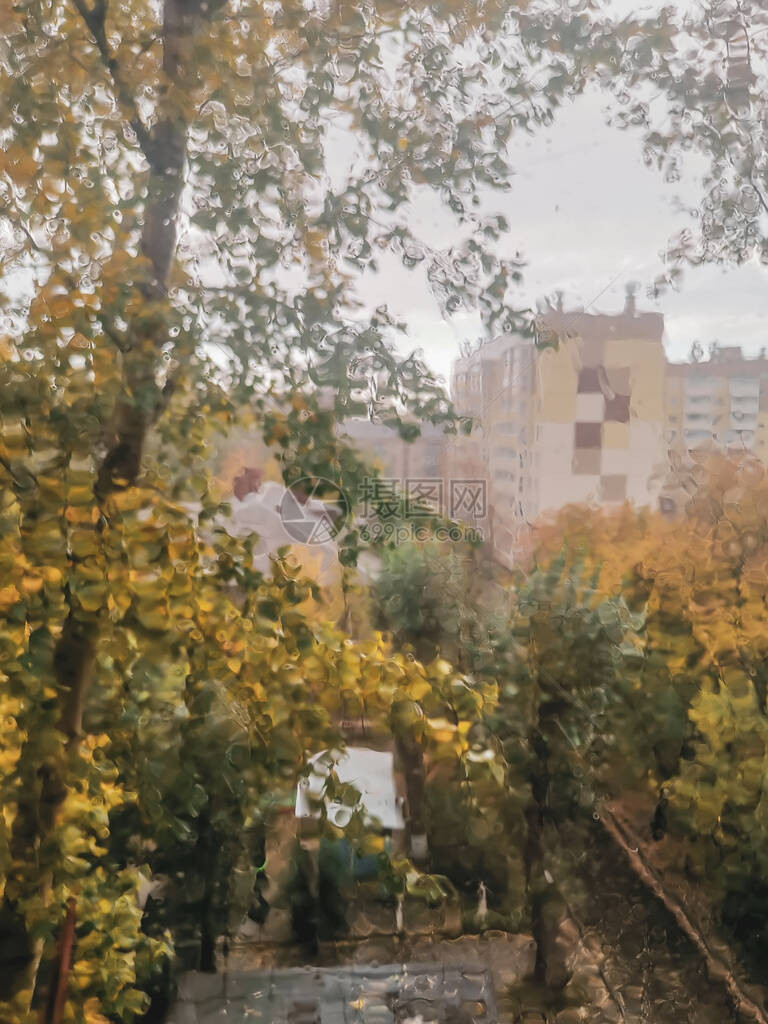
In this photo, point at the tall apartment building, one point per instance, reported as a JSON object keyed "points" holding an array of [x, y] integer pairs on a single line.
{"points": [[721, 402], [600, 409], [578, 417], [477, 381]]}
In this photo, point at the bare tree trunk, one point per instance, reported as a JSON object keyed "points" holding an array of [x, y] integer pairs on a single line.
{"points": [[208, 852], [411, 758], [547, 906], [54, 1013]]}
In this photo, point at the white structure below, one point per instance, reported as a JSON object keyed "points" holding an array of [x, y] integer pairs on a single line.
{"points": [[371, 772]]}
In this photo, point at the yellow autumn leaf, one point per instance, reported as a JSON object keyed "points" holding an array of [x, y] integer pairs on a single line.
{"points": [[31, 584]]}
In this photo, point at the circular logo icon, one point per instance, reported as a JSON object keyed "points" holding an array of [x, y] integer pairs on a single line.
{"points": [[313, 510]]}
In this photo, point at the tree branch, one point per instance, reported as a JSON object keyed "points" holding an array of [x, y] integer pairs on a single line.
{"points": [[17, 480], [114, 336], [95, 19]]}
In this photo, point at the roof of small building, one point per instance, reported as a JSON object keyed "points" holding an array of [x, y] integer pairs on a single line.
{"points": [[371, 772]]}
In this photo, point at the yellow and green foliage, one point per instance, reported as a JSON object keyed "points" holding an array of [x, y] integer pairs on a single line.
{"points": [[178, 247], [693, 729], [207, 690], [182, 245]]}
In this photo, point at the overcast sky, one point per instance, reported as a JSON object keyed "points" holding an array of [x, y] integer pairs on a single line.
{"points": [[584, 208]]}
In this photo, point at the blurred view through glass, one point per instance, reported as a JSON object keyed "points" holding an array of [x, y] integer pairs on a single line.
{"points": [[383, 512]]}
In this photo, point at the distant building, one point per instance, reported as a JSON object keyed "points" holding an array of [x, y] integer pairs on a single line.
{"points": [[265, 511], [575, 415], [599, 410], [477, 382], [396, 458], [721, 402]]}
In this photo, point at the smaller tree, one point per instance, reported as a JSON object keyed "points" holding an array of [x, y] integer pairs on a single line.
{"points": [[425, 595], [570, 657]]}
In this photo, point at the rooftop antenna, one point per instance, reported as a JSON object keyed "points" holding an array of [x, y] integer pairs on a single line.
{"points": [[630, 303]]}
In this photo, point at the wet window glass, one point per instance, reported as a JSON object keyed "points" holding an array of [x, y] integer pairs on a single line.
{"points": [[383, 511]]}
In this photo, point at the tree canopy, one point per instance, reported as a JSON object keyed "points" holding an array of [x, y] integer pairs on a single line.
{"points": [[191, 194], [709, 66]]}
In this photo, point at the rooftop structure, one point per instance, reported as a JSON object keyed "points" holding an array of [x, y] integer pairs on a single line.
{"points": [[370, 772]]}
